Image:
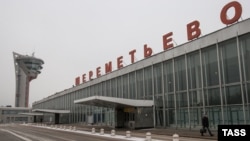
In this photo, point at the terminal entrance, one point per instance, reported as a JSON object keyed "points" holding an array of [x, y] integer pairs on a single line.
{"points": [[53, 116], [121, 112], [125, 117]]}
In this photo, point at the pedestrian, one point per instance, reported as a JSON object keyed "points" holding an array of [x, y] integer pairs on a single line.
{"points": [[205, 125]]}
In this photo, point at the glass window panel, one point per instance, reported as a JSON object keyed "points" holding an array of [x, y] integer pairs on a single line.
{"points": [[104, 89], [182, 117], [108, 88], [194, 70], [100, 89], [170, 101], [168, 76], [148, 82], [95, 90], [233, 115], [132, 90], [139, 81], [181, 99], [113, 87], [233, 95], [195, 117], [247, 111], [180, 74], [195, 98], [247, 93], [213, 96], [157, 79], [172, 115], [119, 87], [158, 101], [159, 117], [214, 116], [229, 61], [125, 86], [85, 93], [210, 66], [245, 54]]}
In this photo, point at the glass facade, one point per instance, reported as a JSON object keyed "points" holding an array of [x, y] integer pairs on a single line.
{"points": [[15, 115], [214, 79]]}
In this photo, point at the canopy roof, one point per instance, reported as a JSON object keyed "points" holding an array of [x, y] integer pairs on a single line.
{"points": [[51, 111], [114, 102], [31, 114]]}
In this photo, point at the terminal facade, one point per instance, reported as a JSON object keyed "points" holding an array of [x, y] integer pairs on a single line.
{"points": [[15, 115], [173, 88]]}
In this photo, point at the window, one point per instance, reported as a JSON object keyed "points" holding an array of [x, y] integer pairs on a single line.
{"points": [[148, 82], [245, 54], [233, 95], [132, 90], [168, 76], [213, 96], [125, 86], [210, 66], [194, 70], [229, 62], [157, 79], [139, 81], [180, 74]]}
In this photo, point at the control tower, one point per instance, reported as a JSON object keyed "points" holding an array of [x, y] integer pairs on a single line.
{"points": [[26, 69]]}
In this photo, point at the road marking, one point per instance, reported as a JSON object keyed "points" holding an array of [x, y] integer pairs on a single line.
{"points": [[62, 138], [39, 138], [21, 137]]}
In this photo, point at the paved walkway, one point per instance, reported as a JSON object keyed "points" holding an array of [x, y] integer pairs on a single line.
{"points": [[157, 133]]}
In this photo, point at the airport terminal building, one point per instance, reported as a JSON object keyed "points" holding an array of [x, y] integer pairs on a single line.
{"points": [[172, 88], [15, 115]]}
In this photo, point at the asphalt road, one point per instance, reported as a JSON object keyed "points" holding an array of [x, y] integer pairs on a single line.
{"points": [[17, 132], [6, 136]]}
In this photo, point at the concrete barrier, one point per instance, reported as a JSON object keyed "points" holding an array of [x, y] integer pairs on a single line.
{"points": [[175, 137], [93, 131], [112, 132], [102, 131], [148, 136], [128, 134]]}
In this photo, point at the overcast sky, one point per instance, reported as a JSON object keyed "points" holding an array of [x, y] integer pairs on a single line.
{"points": [[76, 36]]}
